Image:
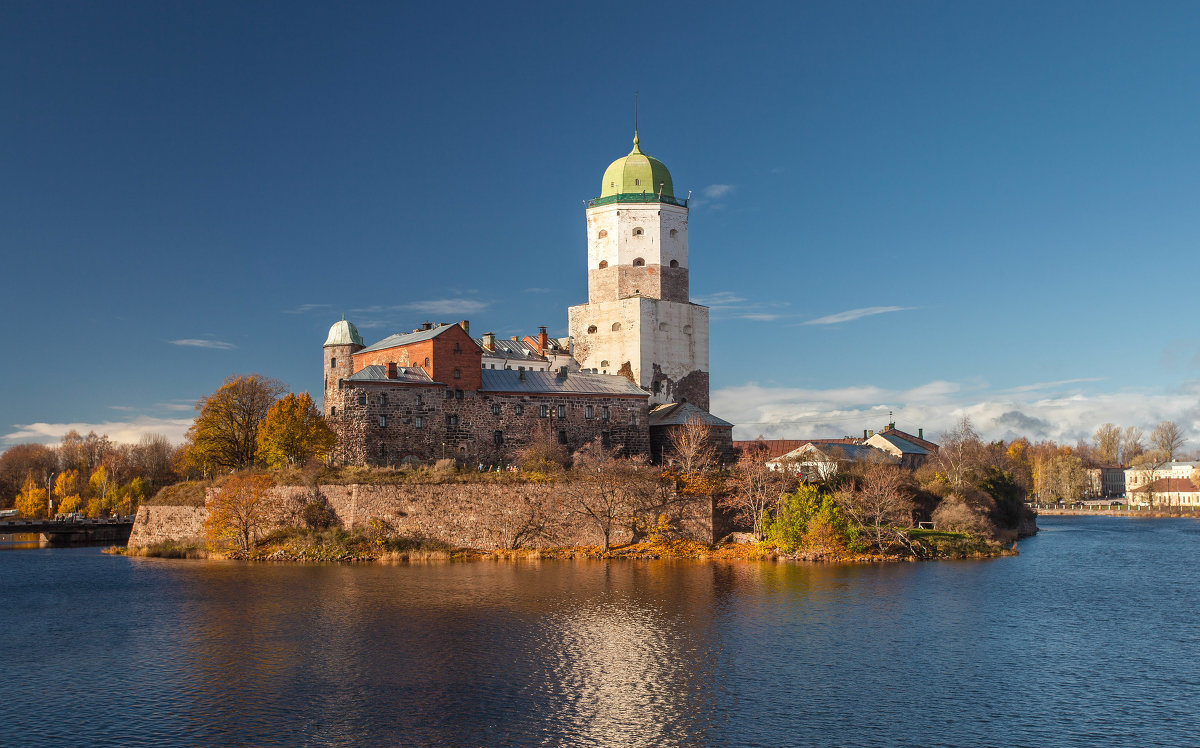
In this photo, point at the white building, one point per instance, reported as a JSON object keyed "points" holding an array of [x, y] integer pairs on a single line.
{"points": [[639, 320]]}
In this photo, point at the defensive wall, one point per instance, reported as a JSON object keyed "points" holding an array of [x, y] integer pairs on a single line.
{"points": [[468, 515]]}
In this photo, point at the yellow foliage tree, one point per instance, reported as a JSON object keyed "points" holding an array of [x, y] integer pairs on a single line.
{"points": [[32, 500], [100, 494], [243, 508], [225, 433], [66, 492], [293, 432]]}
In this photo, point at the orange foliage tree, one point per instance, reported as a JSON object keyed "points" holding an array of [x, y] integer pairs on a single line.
{"points": [[293, 432]]}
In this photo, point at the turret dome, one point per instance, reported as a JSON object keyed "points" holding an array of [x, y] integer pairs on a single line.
{"points": [[636, 173], [344, 333]]}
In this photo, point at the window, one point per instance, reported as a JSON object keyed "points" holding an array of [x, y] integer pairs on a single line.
{"points": [[383, 398], [518, 409], [449, 394], [616, 326], [639, 263], [603, 233], [419, 422], [674, 263], [687, 329], [604, 413], [562, 411], [382, 422], [637, 182], [606, 440], [362, 398], [332, 363], [604, 363], [562, 436], [332, 411], [544, 411], [495, 409], [588, 411], [591, 328], [458, 394], [603, 264], [673, 233], [382, 451], [458, 374], [457, 348], [427, 362], [498, 438], [638, 232], [420, 400], [451, 420], [632, 418]]}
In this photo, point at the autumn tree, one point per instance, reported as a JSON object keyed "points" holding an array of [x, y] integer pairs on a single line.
{"points": [[543, 454], [18, 463], [599, 494], [293, 432], [753, 489], [225, 433], [244, 508], [1131, 444], [32, 501], [1107, 444], [1167, 439], [68, 491], [958, 452]]}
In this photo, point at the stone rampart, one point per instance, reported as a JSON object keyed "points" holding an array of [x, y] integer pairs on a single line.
{"points": [[469, 515]]}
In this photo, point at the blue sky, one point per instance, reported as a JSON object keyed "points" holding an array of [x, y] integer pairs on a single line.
{"points": [[929, 208]]}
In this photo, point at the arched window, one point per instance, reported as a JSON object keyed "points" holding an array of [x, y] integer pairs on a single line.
{"points": [[603, 264], [639, 262], [637, 182], [457, 374], [591, 328], [332, 411], [604, 363], [638, 232], [673, 233], [616, 326], [674, 263], [603, 233], [427, 362]]}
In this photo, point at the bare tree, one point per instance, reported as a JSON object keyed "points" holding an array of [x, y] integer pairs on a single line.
{"points": [[692, 451], [1107, 442], [959, 451], [1131, 444], [599, 496], [513, 522], [1167, 439], [754, 489], [881, 502]]}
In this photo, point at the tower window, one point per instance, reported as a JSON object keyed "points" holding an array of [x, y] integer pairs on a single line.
{"points": [[420, 400], [591, 328], [332, 411], [673, 233], [362, 398], [382, 422], [458, 394], [451, 420], [687, 329], [616, 326], [419, 422], [427, 362], [603, 264], [637, 182], [332, 363], [603, 233], [383, 398], [639, 262], [638, 232], [632, 418], [458, 373], [674, 263], [604, 363], [457, 348]]}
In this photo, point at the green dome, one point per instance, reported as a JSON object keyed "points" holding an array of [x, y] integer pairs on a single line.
{"points": [[635, 174]]}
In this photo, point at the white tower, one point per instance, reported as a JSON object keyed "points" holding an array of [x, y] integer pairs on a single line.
{"points": [[638, 320]]}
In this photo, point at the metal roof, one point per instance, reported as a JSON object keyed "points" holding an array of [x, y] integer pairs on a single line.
{"points": [[406, 338], [548, 382], [517, 350], [903, 445], [852, 452], [378, 373], [679, 414], [343, 333]]}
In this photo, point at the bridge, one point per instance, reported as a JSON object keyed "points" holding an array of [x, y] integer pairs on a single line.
{"points": [[74, 532]]}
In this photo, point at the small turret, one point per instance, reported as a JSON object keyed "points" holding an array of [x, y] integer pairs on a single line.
{"points": [[340, 346]]}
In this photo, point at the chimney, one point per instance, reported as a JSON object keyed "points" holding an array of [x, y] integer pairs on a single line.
{"points": [[521, 374], [489, 341], [864, 433], [513, 338], [466, 326], [391, 370], [562, 372], [543, 340], [920, 433], [427, 326]]}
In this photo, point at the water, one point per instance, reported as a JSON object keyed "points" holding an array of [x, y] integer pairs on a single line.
{"points": [[1088, 637]]}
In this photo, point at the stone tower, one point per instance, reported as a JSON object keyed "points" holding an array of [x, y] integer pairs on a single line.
{"points": [[638, 320], [340, 346]]}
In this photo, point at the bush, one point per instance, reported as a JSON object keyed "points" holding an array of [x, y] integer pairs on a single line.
{"points": [[963, 512], [445, 465], [806, 520], [317, 514]]}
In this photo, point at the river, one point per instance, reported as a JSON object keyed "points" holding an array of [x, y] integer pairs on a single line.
{"points": [[1087, 637]]}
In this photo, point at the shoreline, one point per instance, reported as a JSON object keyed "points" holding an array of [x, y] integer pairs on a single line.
{"points": [[1131, 513]]}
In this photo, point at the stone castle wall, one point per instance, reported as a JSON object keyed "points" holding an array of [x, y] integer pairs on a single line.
{"points": [[470, 515]]}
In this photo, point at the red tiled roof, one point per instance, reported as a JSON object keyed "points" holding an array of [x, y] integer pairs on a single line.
{"points": [[1170, 485]]}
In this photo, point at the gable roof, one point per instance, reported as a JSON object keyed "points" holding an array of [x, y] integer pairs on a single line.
{"points": [[912, 438], [904, 445], [679, 414], [835, 450], [408, 338], [779, 447], [548, 382], [378, 373], [517, 350]]}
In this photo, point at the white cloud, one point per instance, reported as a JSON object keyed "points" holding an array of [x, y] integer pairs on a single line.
{"points": [[853, 314], [719, 300], [120, 431], [1049, 385], [789, 412], [717, 191], [219, 345], [306, 308]]}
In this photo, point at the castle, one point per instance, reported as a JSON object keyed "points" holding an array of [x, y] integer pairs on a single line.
{"points": [[633, 369]]}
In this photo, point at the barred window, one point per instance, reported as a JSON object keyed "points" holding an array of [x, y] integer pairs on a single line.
{"points": [[518, 409], [544, 411], [562, 411], [382, 422], [419, 422], [362, 398], [604, 413], [495, 409], [587, 411]]}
